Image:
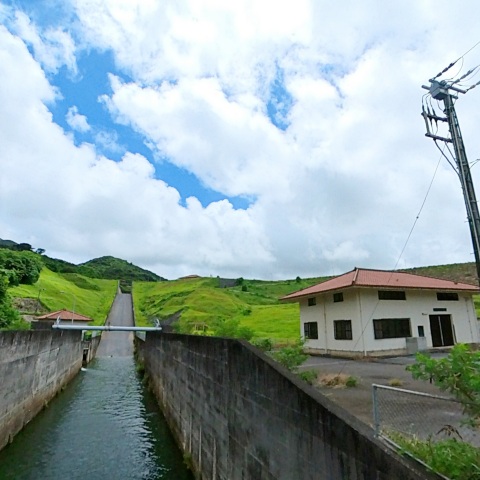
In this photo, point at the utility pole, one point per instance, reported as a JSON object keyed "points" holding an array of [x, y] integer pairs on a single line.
{"points": [[443, 91]]}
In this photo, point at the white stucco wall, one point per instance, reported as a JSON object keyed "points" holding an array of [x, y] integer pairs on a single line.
{"points": [[362, 306]]}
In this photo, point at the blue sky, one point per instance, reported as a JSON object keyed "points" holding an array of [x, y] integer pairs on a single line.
{"points": [[254, 139]]}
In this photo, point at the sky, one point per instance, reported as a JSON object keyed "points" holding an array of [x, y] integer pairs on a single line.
{"points": [[258, 139]]}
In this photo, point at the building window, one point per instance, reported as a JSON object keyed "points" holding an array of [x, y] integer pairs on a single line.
{"points": [[338, 297], [310, 330], [392, 328], [391, 295], [440, 309], [312, 301], [343, 329], [448, 296]]}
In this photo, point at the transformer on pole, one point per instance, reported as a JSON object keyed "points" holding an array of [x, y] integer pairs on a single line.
{"points": [[444, 91]]}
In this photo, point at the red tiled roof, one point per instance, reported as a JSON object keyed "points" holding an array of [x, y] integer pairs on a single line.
{"points": [[65, 315], [360, 277]]}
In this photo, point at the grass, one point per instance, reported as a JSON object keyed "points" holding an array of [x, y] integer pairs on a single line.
{"points": [[453, 458], [202, 303], [92, 297]]}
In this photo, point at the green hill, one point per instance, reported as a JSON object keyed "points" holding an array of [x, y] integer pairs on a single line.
{"points": [[202, 305], [116, 269], [456, 272], [108, 267], [55, 291]]}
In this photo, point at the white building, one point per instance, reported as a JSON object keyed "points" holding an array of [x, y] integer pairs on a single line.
{"points": [[374, 312]]}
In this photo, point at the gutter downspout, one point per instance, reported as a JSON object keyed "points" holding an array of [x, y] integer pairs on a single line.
{"points": [[354, 281], [325, 325], [361, 322]]}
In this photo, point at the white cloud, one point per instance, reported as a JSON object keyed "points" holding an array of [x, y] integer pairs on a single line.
{"points": [[53, 48], [76, 120], [340, 186], [78, 205]]}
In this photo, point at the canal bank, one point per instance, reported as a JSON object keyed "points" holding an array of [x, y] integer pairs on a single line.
{"points": [[240, 415], [34, 366], [103, 425]]}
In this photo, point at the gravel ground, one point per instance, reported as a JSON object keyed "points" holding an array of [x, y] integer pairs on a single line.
{"points": [[358, 400]]}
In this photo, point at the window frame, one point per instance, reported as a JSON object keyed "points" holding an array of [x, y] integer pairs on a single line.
{"points": [[388, 328], [338, 297], [307, 333], [448, 296], [342, 330], [311, 301], [392, 295]]}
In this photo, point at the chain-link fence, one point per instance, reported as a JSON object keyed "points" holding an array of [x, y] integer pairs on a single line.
{"points": [[420, 415]]}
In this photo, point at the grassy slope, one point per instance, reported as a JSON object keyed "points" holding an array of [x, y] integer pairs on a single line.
{"points": [[93, 297], [201, 301], [258, 308]]}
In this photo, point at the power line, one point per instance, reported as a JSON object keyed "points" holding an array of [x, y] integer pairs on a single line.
{"points": [[368, 322], [447, 68]]}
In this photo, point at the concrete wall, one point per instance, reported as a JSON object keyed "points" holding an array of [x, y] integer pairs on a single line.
{"points": [[239, 415], [34, 366], [90, 347]]}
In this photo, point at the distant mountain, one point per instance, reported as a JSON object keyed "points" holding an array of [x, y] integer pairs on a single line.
{"points": [[116, 269], [109, 268], [7, 243]]}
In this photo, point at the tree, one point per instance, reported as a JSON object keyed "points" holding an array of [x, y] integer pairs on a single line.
{"points": [[20, 266], [458, 373], [8, 315]]}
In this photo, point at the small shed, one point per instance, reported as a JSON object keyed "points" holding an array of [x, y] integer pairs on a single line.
{"points": [[377, 312], [66, 317]]}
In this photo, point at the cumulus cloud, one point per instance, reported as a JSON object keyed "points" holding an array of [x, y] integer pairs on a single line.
{"points": [[78, 204], [337, 173], [52, 47], [77, 121]]}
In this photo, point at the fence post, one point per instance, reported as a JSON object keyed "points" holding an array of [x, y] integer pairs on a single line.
{"points": [[376, 412]]}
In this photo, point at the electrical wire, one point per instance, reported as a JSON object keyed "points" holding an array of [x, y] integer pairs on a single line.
{"points": [[443, 153], [369, 321], [453, 63]]}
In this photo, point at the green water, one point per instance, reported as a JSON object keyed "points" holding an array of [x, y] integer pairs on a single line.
{"points": [[105, 425]]}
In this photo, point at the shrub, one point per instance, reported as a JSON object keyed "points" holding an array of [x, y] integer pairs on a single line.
{"points": [[292, 356], [309, 376], [458, 373], [264, 344]]}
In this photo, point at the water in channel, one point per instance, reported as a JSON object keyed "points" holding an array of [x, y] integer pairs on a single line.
{"points": [[104, 425]]}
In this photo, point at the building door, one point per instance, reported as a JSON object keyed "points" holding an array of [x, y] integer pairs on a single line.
{"points": [[442, 331]]}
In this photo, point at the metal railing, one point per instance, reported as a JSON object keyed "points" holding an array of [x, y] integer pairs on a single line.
{"points": [[420, 415]]}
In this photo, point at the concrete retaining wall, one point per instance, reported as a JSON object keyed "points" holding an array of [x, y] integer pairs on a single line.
{"points": [[90, 347], [239, 415], [34, 366]]}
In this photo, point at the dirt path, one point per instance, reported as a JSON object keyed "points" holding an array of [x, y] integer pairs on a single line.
{"points": [[118, 344]]}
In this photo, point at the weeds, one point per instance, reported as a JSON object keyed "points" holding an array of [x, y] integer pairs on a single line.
{"points": [[309, 376], [395, 382], [455, 459], [338, 380]]}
